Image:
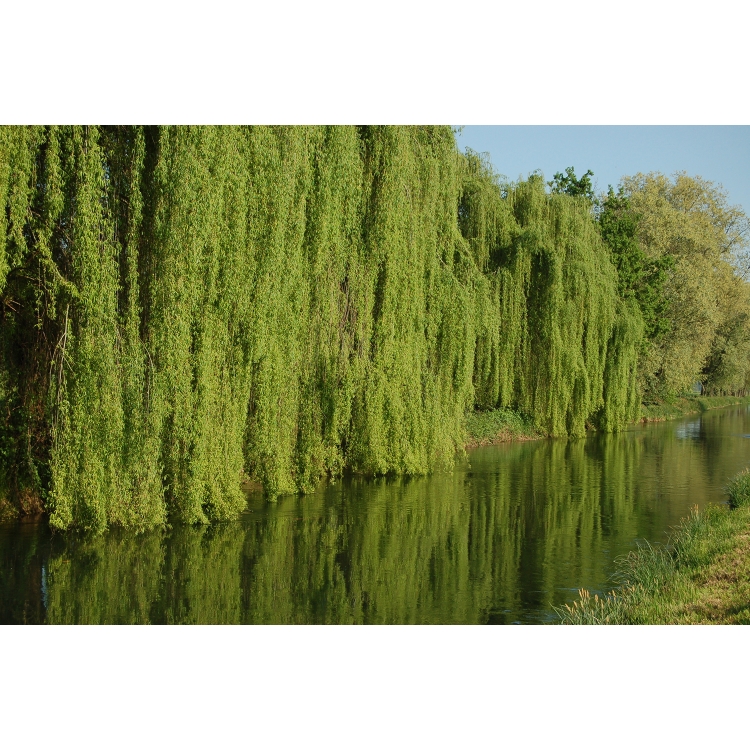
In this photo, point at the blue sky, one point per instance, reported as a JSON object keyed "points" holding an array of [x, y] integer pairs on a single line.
{"points": [[717, 153]]}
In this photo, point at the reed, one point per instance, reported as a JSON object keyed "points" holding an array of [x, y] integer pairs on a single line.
{"points": [[699, 577]]}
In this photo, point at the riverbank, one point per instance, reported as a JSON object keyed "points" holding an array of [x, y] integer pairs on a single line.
{"points": [[500, 426], [701, 577], [505, 425], [482, 428], [684, 406]]}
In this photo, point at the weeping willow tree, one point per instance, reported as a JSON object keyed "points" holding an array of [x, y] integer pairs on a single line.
{"points": [[560, 345], [184, 307]]}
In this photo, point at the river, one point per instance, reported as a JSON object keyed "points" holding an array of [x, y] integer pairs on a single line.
{"points": [[514, 530]]}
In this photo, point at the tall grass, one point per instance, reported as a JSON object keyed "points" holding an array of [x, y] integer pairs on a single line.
{"points": [[666, 583], [739, 490]]}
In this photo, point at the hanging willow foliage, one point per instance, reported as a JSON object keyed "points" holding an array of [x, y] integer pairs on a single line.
{"points": [[184, 307], [560, 346]]}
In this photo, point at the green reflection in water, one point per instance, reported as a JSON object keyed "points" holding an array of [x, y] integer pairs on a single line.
{"points": [[509, 533]]}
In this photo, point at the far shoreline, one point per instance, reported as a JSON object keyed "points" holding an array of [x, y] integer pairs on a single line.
{"points": [[498, 426]]}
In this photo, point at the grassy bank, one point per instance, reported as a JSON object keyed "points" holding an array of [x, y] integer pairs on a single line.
{"points": [[701, 577], [500, 426], [504, 425], [686, 405]]}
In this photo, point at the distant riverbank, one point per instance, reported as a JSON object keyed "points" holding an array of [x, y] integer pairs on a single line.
{"points": [[505, 425], [687, 405], [701, 577]]}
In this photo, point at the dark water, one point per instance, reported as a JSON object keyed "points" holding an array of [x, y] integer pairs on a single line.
{"points": [[511, 532]]}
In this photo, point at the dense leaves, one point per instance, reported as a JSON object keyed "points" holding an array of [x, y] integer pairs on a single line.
{"points": [[698, 241], [639, 276], [569, 184], [188, 307], [556, 338]]}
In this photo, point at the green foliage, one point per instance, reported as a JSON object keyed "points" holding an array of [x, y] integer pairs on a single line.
{"points": [[739, 489], [487, 427], [621, 395], [686, 226], [639, 276], [188, 306], [552, 331], [569, 184]]}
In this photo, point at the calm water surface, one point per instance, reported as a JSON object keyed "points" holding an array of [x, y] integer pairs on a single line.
{"points": [[514, 530]]}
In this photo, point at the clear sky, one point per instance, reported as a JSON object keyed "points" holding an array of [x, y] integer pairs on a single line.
{"points": [[717, 153]]}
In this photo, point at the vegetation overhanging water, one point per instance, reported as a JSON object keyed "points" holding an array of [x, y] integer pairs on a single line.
{"points": [[187, 306], [502, 539]]}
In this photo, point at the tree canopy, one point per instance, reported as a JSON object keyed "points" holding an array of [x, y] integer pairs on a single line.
{"points": [[185, 308], [569, 184], [697, 240]]}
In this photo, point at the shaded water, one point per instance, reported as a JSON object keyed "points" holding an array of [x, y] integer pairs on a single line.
{"points": [[512, 531]]}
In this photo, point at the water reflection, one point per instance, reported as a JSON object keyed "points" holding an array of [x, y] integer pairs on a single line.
{"points": [[509, 533], [689, 430]]}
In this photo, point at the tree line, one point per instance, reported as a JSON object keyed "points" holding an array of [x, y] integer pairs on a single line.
{"points": [[185, 307], [681, 251]]}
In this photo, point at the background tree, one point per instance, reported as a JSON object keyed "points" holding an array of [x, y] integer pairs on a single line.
{"points": [[639, 276], [689, 221], [569, 184], [185, 306]]}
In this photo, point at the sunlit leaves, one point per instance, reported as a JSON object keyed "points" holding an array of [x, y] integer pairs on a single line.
{"points": [[688, 221], [202, 305]]}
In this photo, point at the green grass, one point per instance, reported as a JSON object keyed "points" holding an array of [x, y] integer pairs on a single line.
{"points": [[702, 576], [690, 404], [504, 425], [499, 426]]}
